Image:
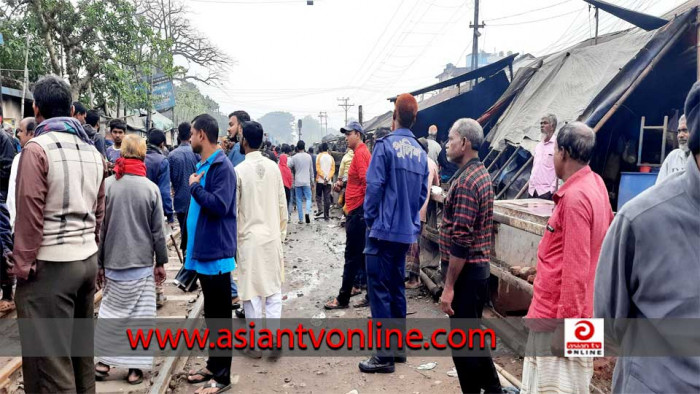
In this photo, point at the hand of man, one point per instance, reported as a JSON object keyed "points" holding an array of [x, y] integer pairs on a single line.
{"points": [[100, 279], [446, 301], [10, 261], [195, 178], [557, 345], [159, 274]]}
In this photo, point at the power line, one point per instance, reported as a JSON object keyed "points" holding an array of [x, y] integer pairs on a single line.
{"points": [[528, 12], [535, 20], [345, 106]]}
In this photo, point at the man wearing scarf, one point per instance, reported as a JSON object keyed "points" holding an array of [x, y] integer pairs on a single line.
{"points": [[60, 207], [648, 269]]}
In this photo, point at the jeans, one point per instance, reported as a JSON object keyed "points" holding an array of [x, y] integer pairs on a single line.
{"points": [[182, 221], [234, 287], [305, 193]]}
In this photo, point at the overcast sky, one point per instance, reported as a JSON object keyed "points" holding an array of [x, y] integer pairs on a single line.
{"points": [[298, 58]]}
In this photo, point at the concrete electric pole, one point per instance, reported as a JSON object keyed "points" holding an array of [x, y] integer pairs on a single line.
{"points": [[475, 43], [346, 106]]}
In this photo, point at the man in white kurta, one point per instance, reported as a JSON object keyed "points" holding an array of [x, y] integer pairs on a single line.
{"points": [[262, 227]]}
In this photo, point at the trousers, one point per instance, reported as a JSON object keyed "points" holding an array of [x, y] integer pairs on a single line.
{"points": [[217, 305], [355, 228], [323, 198], [303, 193], [182, 221], [64, 290], [474, 373], [386, 266], [272, 306]]}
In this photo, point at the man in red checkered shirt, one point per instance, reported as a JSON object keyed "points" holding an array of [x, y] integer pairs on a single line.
{"points": [[465, 247]]}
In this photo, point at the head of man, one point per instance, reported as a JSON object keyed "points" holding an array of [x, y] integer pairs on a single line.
{"points": [[52, 98], [354, 134], [252, 137], [133, 147], [323, 147], [405, 111], [79, 111], [463, 141], [692, 113], [683, 133], [156, 137], [205, 134], [574, 149], [25, 132], [117, 128], [432, 132], [235, 119], [311, 151], [184, 132], [93, 119], [548, 124], [301, 146]]}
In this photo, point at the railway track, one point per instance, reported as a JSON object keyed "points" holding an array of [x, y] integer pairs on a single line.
{"points": [[158, 380]]}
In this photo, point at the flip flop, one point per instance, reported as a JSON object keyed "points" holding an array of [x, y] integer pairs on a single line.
{"points": [[139, 373], [99, 375], [6, 306], [219, 386], [205, 376], [330, 306]]}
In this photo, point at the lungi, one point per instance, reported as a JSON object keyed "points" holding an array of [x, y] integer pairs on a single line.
{"points": [[550, 374], [122, 300]]}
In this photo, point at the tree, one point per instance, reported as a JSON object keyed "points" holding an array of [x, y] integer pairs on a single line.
{"points": [[84, 38], [312, 131], [169, 21], [279, 126], [14, 31], [190, 102]]}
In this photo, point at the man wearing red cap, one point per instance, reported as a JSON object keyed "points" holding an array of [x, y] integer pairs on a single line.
{"points": [[399, 168]]}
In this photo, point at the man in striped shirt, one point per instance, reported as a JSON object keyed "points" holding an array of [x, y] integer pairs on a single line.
{"points": [[465, 246]]}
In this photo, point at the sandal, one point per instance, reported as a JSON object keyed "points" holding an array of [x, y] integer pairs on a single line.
{"points": [[213, 384], [101, 373], [355, 291], [7, 306], [333, 304], [361, 304], [139, 376], [203, 373]]}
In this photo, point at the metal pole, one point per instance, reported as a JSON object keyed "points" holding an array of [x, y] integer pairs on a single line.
{"points": [[514, 178], [496, 159], [512, 157], [475, 37], [596, 26]]}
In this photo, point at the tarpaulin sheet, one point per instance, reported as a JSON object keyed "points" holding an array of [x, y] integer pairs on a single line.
{"points": [[602, 103], [565, 84], [467, 105]]}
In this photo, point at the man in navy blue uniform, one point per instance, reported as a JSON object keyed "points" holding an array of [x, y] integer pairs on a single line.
{"points": [[399, 168]]}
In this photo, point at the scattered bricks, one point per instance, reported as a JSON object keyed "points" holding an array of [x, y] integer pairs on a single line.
{"points": [[531, 279], [515, 269]]}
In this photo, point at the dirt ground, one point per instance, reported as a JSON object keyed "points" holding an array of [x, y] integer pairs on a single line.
{"points": [[314, 265]]}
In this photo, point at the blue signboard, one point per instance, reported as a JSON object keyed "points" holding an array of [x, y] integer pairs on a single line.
{"points": [[163, 95]]}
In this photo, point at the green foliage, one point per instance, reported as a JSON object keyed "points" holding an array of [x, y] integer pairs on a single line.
{"points": [[280, 127], [190, 102], [12, 53]]}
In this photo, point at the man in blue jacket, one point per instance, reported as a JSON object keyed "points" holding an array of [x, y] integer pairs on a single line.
{"points": [[398, 169], [158, 172], [212, 241]]}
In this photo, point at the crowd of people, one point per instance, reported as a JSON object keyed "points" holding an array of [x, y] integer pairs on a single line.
{"points": [[81, 213]]}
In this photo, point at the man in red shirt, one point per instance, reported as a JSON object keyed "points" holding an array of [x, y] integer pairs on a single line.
{"points": [[355, 226], [566, 264]]}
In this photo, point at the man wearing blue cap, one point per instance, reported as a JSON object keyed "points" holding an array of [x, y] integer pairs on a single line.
{"points": [[355, 226]]}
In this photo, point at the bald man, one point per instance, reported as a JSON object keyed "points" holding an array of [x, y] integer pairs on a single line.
{"points": [[434, 147], [567, 258]]}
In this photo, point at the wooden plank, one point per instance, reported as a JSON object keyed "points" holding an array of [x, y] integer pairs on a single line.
{"points": [[162, 382], [8, 369]]}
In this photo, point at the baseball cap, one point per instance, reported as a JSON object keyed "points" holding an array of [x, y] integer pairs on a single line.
{"points": [[353, 126]]}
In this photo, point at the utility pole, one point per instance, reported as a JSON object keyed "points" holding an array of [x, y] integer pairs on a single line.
{"points": [[359, 113], [595, 41], [345, 106], [475, 43], [323, 118]]}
